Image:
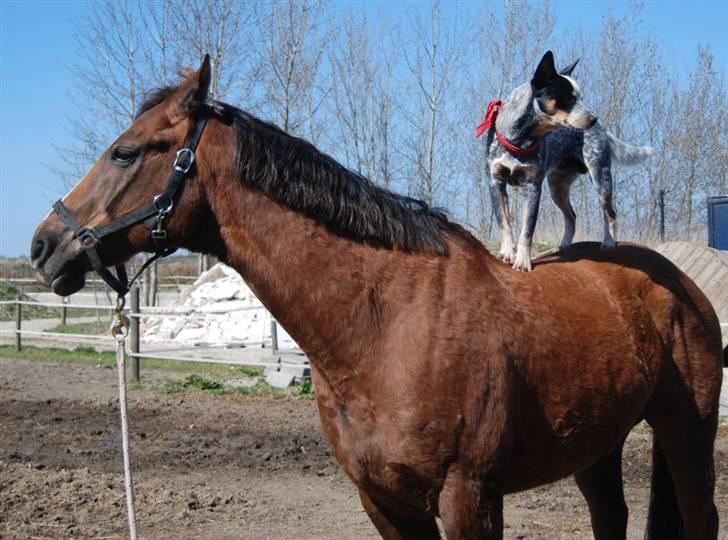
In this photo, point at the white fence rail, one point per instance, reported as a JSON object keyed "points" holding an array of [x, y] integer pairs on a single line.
{"points": [[277, 358], [164, 281]]}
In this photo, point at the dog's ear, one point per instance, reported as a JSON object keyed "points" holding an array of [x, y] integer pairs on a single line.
{"points": [[545, 72], [568, 69]]}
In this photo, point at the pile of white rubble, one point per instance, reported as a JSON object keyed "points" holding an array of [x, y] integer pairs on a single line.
{"points": [[215, 311]]}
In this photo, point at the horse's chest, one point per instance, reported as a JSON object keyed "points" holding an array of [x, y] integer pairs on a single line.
{"points": [[383, 450]]}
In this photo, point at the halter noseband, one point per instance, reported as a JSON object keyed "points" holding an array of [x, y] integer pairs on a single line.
{"points": [[153, 215]]}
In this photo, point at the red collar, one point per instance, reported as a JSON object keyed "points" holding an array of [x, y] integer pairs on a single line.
{"points": [[488, 122]]}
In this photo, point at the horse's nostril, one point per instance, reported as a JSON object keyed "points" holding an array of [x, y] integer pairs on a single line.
{"points": [[40, 250], [37, 250]]}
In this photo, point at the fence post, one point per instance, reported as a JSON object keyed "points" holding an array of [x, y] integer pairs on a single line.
{"points": [[18, 324], [273, 336], [64, 312], [134, 333]]}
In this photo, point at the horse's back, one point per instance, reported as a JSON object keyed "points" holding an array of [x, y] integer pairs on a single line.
{"points": [[595, 339], [681, 314]]}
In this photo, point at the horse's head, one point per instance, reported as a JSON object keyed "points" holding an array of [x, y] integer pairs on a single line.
{"points": [[128, 175]]}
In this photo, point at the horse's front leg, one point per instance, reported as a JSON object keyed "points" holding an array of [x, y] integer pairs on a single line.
{"points": [[499, 199], [530, 215], [397, 525], [471, 508]]}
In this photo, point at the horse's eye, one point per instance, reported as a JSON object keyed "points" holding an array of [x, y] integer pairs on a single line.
{"points": [[123, 155]]}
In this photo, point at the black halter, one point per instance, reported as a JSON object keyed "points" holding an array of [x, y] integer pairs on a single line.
{"points": [[153, 215]]}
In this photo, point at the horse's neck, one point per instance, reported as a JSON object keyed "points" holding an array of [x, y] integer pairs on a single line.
{"points": [[315, 284]]}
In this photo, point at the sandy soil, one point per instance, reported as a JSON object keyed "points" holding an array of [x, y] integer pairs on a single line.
{"points": [[219, 467]]}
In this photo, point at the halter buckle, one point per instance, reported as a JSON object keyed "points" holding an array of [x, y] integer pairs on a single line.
{"points": [[87, 237], [184, 160], [163, 203]]}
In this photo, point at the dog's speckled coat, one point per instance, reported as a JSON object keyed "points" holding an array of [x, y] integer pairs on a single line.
{"points": [[547, 110]]}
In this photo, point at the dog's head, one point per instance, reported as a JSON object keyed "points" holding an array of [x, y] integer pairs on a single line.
{"points": [[556, 96]]}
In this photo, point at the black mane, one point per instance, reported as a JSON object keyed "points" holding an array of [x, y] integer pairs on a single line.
{"points": [[154, 98], [293, 172]]}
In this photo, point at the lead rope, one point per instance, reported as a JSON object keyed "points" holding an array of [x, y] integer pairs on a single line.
{"points": [[119, 329]]}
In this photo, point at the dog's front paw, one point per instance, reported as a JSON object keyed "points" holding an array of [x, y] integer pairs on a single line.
{"points": [[522, 262], [508, 256]]}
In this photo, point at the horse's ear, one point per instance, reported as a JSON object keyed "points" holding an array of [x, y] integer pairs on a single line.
{"points": [[193, 91], [204, 74], [568, 69], [545, 72]]}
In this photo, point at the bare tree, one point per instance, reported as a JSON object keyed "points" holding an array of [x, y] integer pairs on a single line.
{"points": [[433, 137], [157, 18], [219, 28], [294, 33], [699, 143], [362, 95], [109, 48], [512, 40]]}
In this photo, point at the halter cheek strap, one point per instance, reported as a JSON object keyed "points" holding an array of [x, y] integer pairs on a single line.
{"points": [[153, 215]]}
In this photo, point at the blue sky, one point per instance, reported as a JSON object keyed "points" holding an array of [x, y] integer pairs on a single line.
{"points": [[36, 43]]}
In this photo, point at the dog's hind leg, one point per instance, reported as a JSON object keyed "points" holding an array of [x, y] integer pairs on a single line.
{"points": [[601, 485], [499, 197], [560, 185], [601, 176]]}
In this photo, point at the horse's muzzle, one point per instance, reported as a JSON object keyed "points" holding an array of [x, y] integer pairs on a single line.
{"points": [[56, 263]]}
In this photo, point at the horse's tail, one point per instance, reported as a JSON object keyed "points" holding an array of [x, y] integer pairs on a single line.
{"points": [[663, 521]]}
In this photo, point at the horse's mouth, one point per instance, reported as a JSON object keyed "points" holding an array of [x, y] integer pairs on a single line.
{"points": [[69, 279], [67, 284]]}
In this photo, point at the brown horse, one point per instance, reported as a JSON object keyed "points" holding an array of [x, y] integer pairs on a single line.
{"points": [[443, 378]]}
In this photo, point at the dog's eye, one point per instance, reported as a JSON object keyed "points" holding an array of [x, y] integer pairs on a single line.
{"points": [[123, 155]]}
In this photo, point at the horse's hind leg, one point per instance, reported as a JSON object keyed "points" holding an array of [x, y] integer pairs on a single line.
{"points": [[601, 485], [393, 526], [663, 520], [687, 442]]}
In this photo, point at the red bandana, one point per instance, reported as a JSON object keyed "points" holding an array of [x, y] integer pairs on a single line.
{"points": [[488, 122]]}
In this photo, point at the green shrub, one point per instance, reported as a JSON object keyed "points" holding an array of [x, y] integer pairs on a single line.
{"points": [[194, 381]]}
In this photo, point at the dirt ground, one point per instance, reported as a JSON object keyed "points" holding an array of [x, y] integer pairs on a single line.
{"points": [[219, 467]]}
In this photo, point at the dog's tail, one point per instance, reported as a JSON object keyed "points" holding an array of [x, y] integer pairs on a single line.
{"points": [[626, 153]]}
